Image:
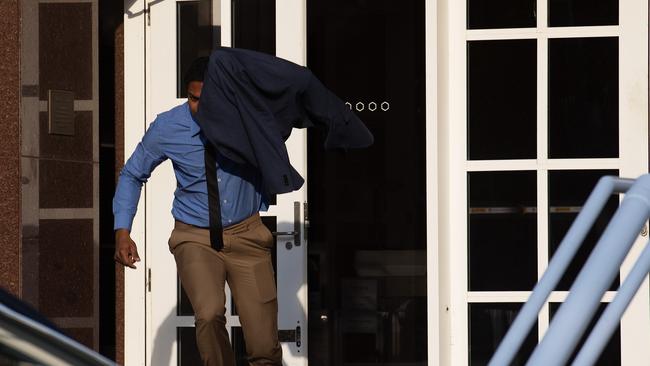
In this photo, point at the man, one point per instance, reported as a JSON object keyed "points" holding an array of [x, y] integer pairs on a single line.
{"points": [[245, 256]]}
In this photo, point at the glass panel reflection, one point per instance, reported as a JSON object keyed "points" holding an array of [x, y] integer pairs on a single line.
{"points": [[488, 324], [253, 23], [184, 306], [502, 231], [502, 99], [583, 98], [188, 354], [483, 14], [568, 191], [239, 346], [611, 355], [367, 208], [567, 13], [194, 36]]}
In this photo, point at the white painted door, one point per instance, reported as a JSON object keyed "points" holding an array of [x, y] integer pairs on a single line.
{"points": [[176, 32]]}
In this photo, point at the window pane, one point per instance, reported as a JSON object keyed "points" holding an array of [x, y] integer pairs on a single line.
{"points": [[482, 14], [502, 99], [502, 231], [188, 353], [194, 36], [568, 191], [566, 13], [184, 305], [239, 346], [488, 324], [583, 98], [253, 23], [611, 355]]}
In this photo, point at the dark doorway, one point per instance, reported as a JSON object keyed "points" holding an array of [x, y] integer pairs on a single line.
{"points": [[367, 239]]}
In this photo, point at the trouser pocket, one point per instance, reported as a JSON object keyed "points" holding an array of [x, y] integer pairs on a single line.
{"points": [[265, 281]]}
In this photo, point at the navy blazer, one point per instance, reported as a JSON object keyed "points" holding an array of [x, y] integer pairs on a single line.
{"points": [[251, 101]]}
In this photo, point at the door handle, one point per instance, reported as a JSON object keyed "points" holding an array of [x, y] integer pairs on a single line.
{"points": [[296, 226], [290, 335]]}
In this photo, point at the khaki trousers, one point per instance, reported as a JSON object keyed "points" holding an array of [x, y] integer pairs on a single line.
{"points": [[245, 262]]}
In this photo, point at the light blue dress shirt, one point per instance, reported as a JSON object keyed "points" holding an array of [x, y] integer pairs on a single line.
{"points": [[175, 135]]}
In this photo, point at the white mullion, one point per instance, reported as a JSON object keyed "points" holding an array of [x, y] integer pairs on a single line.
{"points": [[226, 23], [542, 156], [533, 33], [543, 320], [495, 34], [583, 32], [560, 296], [633, 150], [583, 164], [498, 296], [522, 296], [500, 165], [542, 15], [541, 163], [542, 222], [456, 94]]}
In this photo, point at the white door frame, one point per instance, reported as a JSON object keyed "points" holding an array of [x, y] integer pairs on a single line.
{"points": [[134, 127], [453, 163]]}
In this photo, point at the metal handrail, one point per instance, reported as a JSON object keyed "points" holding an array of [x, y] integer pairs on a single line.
{"points": [[602, 267], [47, 346]]}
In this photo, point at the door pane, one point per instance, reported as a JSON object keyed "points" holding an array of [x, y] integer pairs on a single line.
{"points": [[194, 36], [188, 354], [184, 307], [568, 191], [502, 99], [482, 14], [238, 346], [567, 13], [502, 220], [367, 238], [611, 355], [583, 98], [253, 25], [488, 324]]}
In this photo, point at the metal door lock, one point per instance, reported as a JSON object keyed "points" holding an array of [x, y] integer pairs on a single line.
{"points": [[289, 245], [290, 335]]}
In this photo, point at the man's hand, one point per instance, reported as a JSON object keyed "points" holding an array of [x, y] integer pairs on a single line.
{"points": [[126, 252]]}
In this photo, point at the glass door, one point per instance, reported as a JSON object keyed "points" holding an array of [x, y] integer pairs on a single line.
{"points": [[177, 32], [367, 208], [545, 97]]}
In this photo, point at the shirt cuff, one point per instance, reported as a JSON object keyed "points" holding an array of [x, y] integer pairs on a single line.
{"points": [[123, 221]]}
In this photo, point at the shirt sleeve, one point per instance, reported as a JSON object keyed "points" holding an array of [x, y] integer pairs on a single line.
{"points": [[137, 170]]}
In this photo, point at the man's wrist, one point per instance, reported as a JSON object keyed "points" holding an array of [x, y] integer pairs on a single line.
{"points": [[122, 232]]}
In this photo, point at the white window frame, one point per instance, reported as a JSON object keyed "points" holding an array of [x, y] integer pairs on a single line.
{"points": [[454, 165]]}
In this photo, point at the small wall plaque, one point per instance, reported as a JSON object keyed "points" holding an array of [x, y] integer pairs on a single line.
{"points": [[60, 112]]}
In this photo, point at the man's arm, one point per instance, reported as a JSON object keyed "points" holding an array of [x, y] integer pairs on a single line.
{"points": [[146, 157]]}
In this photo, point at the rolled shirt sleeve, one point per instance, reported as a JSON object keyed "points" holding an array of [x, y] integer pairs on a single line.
{"points": [[137, 170]]}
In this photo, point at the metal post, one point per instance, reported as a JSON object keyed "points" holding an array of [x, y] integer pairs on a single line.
{"points": [[568, 247], [595, 277], [610, 319]]}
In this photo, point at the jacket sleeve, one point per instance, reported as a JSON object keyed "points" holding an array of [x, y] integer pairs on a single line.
{"points": [[325, 109], [237, 118]]}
